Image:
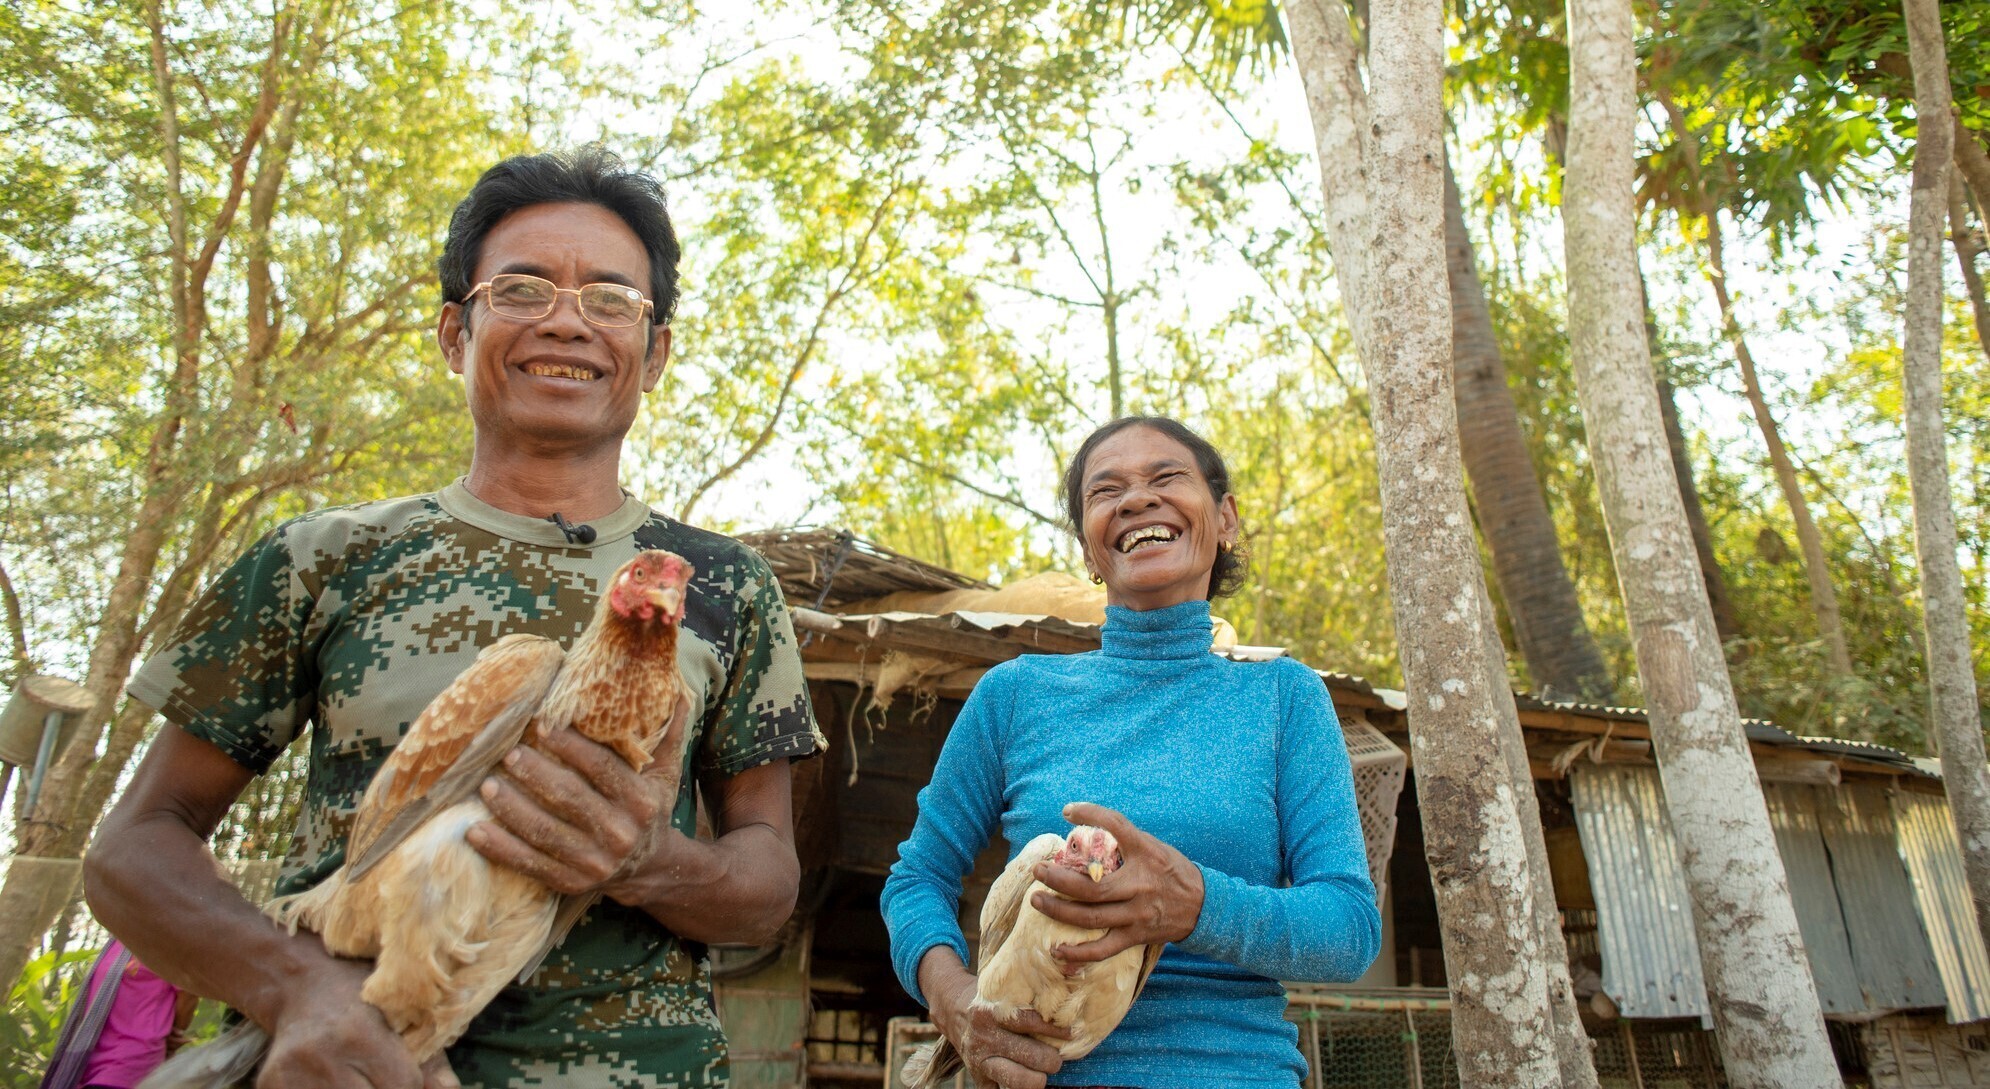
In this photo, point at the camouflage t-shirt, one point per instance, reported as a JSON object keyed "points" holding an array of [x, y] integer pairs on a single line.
{"points": [[350, 620]]}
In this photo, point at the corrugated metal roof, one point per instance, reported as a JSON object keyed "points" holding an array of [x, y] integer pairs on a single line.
{"points": [[1799, 839], [1644, 915], [1934, 863], [1896, 965], [826, 568]]}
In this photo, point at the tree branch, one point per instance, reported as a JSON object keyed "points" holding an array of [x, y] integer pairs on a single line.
{"points": [[852, 274], [17, 629]]}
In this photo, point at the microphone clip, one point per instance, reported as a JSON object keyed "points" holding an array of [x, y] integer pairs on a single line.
{"points": [[575, 534]]}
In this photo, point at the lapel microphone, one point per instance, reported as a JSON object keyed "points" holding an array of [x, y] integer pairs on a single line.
{"points": [[575, 534]]}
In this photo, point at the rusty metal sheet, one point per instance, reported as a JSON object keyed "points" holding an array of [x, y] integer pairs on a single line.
{"points": [[1793, 815], [1644, 917], [1895, 963], [1933, 856]]}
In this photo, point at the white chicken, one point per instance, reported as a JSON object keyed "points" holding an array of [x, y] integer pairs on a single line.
{"points": [[1018, 968]]}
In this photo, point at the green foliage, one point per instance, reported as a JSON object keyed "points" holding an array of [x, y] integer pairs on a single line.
{"points": [[36, 1006], [925, 253]]}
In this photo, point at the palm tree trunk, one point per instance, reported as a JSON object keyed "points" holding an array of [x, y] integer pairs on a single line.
{"points": [[1766, 1010], [1540, 598], [1816, 568], [1953, 708]]}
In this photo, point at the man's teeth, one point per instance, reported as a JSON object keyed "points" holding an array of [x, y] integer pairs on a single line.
{"points": [[555, 370]]}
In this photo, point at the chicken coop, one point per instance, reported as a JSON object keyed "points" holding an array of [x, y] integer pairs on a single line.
{"points": [[891, 646]]}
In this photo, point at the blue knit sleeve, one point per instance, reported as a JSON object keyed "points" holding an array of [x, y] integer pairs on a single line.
{"points": [[1324, 926], [958, 812]]}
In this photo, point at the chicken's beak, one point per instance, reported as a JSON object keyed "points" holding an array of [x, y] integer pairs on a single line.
{"points": [[1096, 870], [666, 599]]}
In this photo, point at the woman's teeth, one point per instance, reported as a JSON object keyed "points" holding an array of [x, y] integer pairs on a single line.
{"points": [[1139, 538]]}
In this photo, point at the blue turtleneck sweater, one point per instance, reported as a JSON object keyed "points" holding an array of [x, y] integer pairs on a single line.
{"points": [[1238, 765]]}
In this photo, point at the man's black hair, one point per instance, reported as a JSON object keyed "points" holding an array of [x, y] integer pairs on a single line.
{"points": [[591, 175], [1227, 576]]}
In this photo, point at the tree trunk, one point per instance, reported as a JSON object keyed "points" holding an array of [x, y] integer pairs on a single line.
{"points": [[1380, 158], [1951, 675], [1968, 247], [1816, 568], [34, 894], [1548, 624], [1766, 1011], [1972, 162], [1573, 1051]]}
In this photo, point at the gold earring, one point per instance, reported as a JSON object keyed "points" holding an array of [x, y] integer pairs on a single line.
{"points": [[1096, 579], [1226, 547]]}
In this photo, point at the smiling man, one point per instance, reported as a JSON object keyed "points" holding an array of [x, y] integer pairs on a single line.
{"points": [[559, 278]]}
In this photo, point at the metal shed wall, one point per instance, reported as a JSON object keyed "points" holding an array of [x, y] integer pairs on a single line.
{"points": [[1934, 863], [1896, 964], [1644, 917], [1793, 814], [1859, 916]]}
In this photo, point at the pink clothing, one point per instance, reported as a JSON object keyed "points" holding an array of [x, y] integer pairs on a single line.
{"points": [[134, 1038]]}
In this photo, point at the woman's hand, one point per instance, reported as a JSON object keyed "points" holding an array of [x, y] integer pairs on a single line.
{"points": [[997, 1052], [1155, 896]]}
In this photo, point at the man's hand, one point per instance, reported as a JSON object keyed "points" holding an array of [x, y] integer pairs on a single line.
{"points": [[323, 1034], [1155, 896], [997, 1052], [574, 816]]}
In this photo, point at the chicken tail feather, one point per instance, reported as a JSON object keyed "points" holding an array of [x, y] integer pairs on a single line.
{"points": [[932, 1064], [228, 1060]]}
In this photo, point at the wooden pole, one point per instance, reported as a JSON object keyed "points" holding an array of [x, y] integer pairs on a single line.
{"points": [[1411, 1053], [1631, 1055], [51, 728]]}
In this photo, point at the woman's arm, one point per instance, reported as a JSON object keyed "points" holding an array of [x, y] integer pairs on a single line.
{"points": [[958, 810], [1325, 926]]}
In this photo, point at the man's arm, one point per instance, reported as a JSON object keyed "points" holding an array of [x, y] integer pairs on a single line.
{"points": [[151, 880], [739, 888], [574, 816]]}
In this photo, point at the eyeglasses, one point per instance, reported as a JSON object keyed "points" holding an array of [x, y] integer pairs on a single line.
{"points": [[529, 298]]}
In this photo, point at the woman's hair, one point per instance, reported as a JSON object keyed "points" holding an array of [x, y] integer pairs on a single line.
{"points": [[1227, 576]]}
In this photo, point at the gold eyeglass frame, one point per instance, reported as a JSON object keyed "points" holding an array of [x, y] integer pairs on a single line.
{"points": [[648, 308]]}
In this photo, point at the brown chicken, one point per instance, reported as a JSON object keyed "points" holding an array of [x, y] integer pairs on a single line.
{"points": [[446, 928], [1017, 968]]}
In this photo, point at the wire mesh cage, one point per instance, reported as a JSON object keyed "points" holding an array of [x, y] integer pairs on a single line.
{"points": [[1394, 1038], [903, 1036], [1657, 1055], [1401, 1039], [1379, 768]]}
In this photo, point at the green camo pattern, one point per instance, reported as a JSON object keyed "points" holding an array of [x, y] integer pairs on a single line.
{"points": [[348, 621]]}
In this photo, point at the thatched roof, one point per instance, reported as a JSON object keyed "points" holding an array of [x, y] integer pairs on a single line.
{"points": [[822, 567]]}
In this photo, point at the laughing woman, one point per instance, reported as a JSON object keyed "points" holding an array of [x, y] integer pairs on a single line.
{"points": [[1226, 783]]}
